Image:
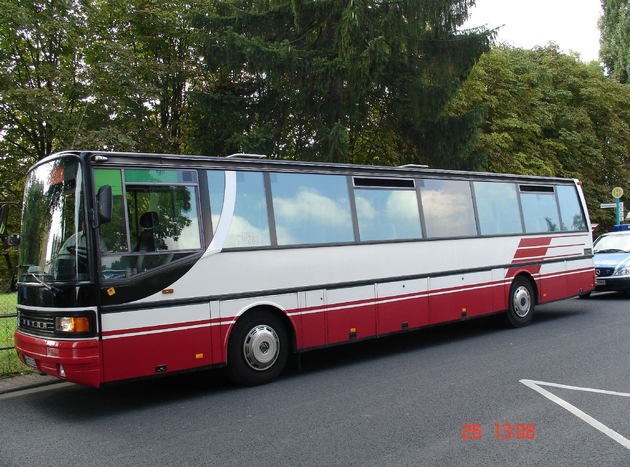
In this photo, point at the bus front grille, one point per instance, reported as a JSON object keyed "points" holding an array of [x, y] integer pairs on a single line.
{"points": [[36, 323]]}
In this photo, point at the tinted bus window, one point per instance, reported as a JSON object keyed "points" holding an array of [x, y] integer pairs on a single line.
{"points": [[163, 221], [165, 218], [250, 224], [540, 210], [387, 214], [137, 176], [572, 215], [113, 234], [447, 208], [216, 184], [498, 209], [311, 209]]}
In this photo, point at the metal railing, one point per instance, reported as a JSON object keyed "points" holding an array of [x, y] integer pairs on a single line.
{"points": [[7, 326], [9, 362]]}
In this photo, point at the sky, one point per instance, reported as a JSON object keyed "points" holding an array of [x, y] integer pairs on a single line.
{"points": [[571, 24]]}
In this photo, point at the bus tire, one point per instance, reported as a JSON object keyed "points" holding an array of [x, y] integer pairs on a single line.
{"points": [[521, 303], [258, 348]]}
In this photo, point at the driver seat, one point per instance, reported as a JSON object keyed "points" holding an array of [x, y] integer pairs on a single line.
{"points": [[146, 239]]}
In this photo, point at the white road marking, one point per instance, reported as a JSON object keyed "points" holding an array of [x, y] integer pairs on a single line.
{"points": [[535, 385]]}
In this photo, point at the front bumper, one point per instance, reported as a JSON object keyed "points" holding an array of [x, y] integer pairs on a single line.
{"points": [[78, 361], [611, 283]]}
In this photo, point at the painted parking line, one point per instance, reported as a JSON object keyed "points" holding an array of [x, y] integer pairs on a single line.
{"points": [[536, 386]]}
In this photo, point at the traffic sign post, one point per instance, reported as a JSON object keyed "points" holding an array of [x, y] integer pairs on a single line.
{"points": [[613, 206], [617, 193]]}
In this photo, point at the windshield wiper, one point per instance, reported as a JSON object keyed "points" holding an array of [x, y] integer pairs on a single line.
{"points": [[52, 288]]}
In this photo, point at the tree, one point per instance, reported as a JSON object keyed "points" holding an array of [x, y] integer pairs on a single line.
{"points": [[89, 74], [142, 65], [337, 80], [41, 79], [615, 38], [549, 114]]}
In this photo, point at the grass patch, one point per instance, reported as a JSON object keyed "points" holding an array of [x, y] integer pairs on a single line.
{"points": [[10, 364]]}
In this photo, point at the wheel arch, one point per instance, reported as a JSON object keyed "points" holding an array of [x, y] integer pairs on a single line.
{"points": [[522, 298], [527, 276], [278, 311]]}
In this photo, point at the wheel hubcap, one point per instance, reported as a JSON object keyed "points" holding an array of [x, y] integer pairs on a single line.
{"points": [[261, 347], [522, 302]]}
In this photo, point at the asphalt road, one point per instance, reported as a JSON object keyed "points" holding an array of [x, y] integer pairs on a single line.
{"points": [[554, 393]]}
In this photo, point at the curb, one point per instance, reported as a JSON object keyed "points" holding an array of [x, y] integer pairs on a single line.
{"points": [[23, 382]]}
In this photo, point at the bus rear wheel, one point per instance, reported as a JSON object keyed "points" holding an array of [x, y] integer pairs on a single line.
{"points": [[521, 303], [258, 348]]}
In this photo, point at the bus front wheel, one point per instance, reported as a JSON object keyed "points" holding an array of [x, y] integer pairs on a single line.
{"points": [[521, 303], [258, 348]]}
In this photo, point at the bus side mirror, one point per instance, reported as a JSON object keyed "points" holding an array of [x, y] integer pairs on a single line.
{"points": [[105, 202]]}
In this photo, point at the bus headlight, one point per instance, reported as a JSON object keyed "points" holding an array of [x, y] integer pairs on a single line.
{"points": [[72, 324]]}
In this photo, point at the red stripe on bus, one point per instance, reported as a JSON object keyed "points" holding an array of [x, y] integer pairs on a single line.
{"points": [[530, 252], [144, 351], [538, 241]]}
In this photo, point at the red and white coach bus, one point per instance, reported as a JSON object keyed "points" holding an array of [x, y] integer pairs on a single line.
{"points": [[133, 265]]}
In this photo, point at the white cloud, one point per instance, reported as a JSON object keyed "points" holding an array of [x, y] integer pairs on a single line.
{"points": [[310, 206]]}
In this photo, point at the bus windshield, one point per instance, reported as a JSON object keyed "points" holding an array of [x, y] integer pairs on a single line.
{"points": [[53, 245]]}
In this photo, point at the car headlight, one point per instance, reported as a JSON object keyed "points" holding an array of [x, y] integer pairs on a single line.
{"points": [[623, 270]]}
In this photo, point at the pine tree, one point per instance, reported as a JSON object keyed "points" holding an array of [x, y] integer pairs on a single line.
{"points": [[337, 80]]}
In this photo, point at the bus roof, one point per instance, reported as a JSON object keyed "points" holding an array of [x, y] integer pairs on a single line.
{"points": [[259, 162]]}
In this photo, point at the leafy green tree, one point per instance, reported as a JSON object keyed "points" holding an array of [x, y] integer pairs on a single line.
{"points": [[89, 74], [615, 38], [549, 114], [142, 65], [41, 76], [336, 80]]}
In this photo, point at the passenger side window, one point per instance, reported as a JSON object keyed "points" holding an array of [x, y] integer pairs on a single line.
{"points": [[387, 214], [250, 224], [570, 210], [498, 209], [448, 208], [311, 209], [216, 185], [540, 210]]}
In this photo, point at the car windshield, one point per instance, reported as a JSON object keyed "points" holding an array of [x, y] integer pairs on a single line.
{"points": [[612, 244], [53, 245]]}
